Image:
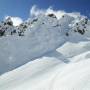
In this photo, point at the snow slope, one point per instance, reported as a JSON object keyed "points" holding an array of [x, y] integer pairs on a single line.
{"points": [[51, 54], [49, 73], [32, 45]]}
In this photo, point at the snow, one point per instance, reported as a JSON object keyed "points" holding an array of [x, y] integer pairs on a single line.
{"points": [[74, 77], [50, 55], [48, 73], [16, 20], [32, 45]]}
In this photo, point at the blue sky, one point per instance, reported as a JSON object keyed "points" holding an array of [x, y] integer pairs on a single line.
{"points": [[21, 8]]}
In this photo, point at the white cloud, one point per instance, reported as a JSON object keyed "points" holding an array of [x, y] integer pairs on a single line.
{"points": [[16, 20], [35, 11]]}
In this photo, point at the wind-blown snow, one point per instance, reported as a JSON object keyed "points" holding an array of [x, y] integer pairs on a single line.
{"points": [[35, 11], [48, 54]]}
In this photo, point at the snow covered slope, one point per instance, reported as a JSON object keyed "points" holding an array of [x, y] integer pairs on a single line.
{"points": [[37, 40], [45, 53], [49, 73]]}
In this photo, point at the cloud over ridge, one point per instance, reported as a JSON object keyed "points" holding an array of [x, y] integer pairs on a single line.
{"points": [[35, 11]]}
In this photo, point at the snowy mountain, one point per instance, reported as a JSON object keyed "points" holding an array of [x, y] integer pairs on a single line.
{"points": [[45, 53]]}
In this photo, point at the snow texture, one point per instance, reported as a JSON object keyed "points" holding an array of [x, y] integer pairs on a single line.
{"points": [[45, 53]]}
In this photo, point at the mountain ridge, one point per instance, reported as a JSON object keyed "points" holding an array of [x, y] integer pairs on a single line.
{"points": [[45, 53]]}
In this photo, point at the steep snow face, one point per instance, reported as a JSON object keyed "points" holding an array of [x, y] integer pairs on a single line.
{"points": [[41, 37]]}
